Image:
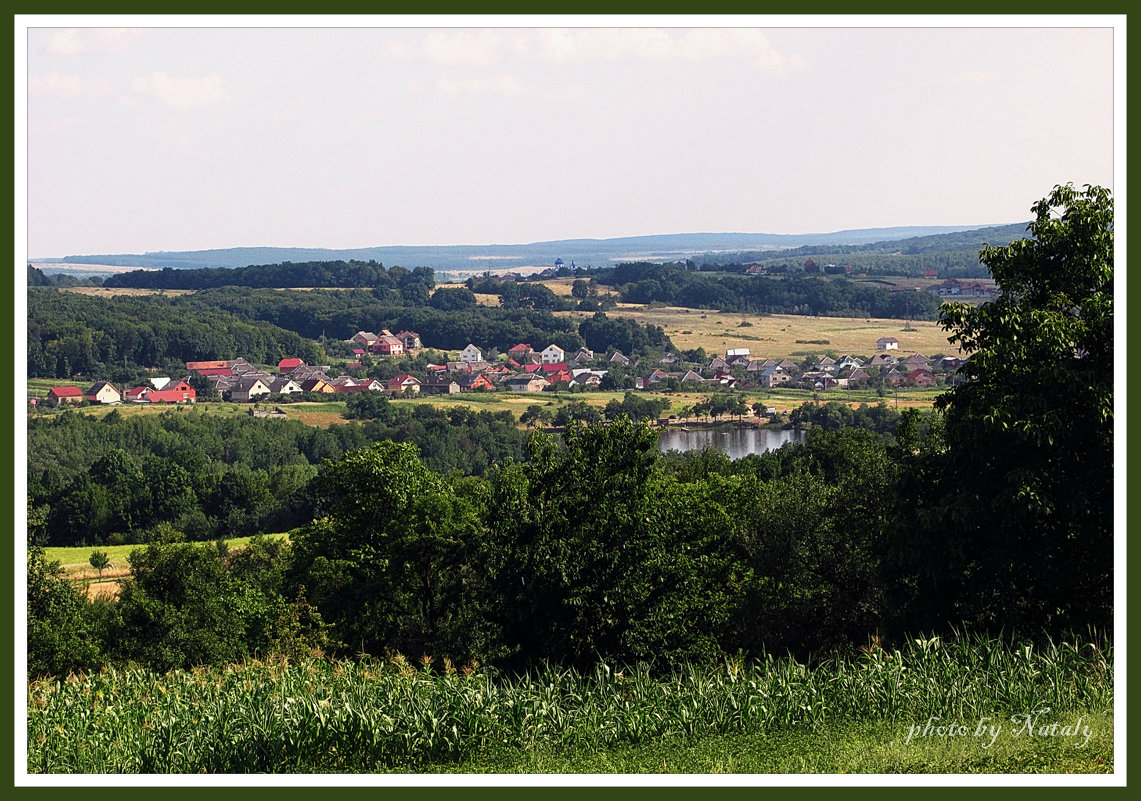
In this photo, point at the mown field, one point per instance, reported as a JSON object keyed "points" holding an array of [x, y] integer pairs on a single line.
{"points": [[866, 712]]}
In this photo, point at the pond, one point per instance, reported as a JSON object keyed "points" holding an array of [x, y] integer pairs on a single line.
{"points": [[736, 442]]}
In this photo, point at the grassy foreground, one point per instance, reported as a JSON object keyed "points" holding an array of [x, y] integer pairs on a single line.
{"points": [[874, 712]]}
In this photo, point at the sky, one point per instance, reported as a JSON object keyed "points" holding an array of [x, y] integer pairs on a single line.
{"points": [[495, 131]]}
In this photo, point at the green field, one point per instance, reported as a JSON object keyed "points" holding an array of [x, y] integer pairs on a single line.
{"points": [[75, 562]]}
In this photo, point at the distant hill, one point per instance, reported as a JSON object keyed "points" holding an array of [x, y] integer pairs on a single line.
{"points": [[475, 258]]}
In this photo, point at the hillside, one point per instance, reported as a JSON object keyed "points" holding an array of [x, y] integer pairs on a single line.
{"points": [[597, 252]]}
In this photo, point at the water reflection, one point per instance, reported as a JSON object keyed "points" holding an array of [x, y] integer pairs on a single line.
{"points": [[736, 442]]}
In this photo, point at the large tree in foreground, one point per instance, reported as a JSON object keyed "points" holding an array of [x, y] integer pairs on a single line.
{"points": [[1018, 528]]}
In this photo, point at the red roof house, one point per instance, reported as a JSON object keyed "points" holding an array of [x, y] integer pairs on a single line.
{"points": [[65, 395], [289, 365], [180, 393]]}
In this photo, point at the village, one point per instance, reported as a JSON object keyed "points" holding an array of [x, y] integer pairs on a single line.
{"points": [[522, 369]]}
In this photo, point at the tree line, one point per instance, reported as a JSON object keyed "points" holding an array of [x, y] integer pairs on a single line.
{"points": [[674, 285]]}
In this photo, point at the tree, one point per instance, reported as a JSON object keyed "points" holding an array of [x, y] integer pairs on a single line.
{"points": [[100, 561], [387, 564], [1018, 528]]}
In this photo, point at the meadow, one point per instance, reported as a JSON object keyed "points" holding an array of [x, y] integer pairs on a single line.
{"points": [[864, 712]]}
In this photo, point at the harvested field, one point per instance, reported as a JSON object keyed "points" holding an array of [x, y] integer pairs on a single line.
{"points": [[782, 336]]}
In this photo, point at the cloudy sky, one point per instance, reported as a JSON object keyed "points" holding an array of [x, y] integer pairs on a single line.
{"points": [[156, 138]]}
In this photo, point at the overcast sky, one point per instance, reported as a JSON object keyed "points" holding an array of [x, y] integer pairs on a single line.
{"points": [[146, 139]]}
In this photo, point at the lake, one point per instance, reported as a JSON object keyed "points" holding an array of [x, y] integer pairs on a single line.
{"points": [[736, 442]]}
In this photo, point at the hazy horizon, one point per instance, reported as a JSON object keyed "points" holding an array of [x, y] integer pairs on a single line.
{"points": [[147, 139]]}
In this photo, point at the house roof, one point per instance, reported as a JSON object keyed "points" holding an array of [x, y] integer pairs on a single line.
{"points": [[290, 364], [66, 392]]}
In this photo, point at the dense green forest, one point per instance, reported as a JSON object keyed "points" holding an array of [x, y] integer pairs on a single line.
{"points": [[674, 285], [995, 513], [350, 274], [119, 479]]}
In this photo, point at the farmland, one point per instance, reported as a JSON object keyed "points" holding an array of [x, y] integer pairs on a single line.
{"points": [[784, 336], [849, 713]]}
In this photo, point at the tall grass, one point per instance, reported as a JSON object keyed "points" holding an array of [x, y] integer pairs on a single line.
{"points": [[317, 716]]}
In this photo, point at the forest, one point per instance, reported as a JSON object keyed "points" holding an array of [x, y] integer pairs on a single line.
{"points": [[674, 285]]}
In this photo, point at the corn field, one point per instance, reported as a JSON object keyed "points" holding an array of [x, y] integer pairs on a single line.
{"points": [[391, 715]]}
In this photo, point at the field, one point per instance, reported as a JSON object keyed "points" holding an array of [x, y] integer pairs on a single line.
{"points": [[861, 713], [784, 336]]}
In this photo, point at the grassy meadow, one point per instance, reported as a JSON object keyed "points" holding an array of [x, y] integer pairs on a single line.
{"points": [[864, 712]]}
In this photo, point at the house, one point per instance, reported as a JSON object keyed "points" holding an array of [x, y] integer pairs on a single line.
{"points": [[736, 353], [180, 385], [410, 339], [754, 269], [846, 362], [692, 377], [887, 343], [583, 355], [921, 377], [774, 376], [245, 390], [404, 383], [882, 360], [520, 353], [551, 367], [914, 362], [289, 365], [670, 358], [471, 354], [857, 376], [717, 363], [587, 379], [439, 386], [342, 381], [353, 365], [321, 385], [388, 345], [284, 386], [175, 392], [136, 394], [789, 366], [365, 338], [160, 382], [527, 383], [930, 273], [758, 366], [618, 358], [563, 376], [459, 367], [553, 354], [473, 381], [58, 395], [894, 377], [209, 368], [102, 392], [305, 372], [827, 364]]}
